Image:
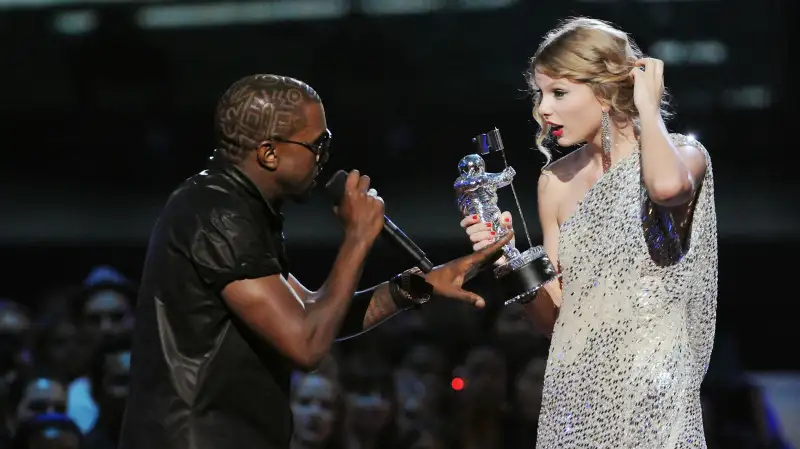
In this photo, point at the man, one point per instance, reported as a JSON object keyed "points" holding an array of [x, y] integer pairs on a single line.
{"points": [[221, 322]]}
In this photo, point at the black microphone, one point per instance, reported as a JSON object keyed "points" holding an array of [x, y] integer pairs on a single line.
{"points": [[335, 188]]}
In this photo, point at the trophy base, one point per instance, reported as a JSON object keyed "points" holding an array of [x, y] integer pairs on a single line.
{"points": [[522, 276]]}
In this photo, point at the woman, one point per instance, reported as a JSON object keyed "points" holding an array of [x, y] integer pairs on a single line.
{"points": [[629, 219]]}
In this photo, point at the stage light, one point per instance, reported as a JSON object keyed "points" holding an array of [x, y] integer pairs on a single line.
{"points": [[457, 383]]}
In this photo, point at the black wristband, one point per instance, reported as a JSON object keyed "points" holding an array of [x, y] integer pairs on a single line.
{"points": [[401, 300], [409, 289]]}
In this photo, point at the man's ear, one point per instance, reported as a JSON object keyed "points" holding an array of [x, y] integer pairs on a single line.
{"points": [[267, 155]]}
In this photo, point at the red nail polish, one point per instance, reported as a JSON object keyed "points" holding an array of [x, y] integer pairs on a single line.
{"points": [[488, 225], [474, 217], [492, 233], [507, 219]]}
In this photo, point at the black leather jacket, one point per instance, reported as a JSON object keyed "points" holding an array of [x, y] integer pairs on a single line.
{"points": [[200, 378]]}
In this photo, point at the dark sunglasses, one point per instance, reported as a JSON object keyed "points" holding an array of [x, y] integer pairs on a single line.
{"points": [[320, 147]]}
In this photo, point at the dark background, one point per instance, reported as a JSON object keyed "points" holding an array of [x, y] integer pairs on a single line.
{"points": [[106, 108]]}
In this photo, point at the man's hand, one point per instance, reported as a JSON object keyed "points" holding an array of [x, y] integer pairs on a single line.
{"points": [[447, 279], [360, 210]]}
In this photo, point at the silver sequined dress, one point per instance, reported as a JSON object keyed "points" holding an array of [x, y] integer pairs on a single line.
{"points": [[634, 335]]}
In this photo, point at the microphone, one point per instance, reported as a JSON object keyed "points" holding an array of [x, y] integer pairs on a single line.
{"points": [[335, 189]]}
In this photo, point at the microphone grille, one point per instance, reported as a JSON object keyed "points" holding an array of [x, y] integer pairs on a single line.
{"points": [[335, 186]]}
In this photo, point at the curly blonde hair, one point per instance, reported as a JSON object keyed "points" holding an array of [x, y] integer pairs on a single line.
{"points": [[593, 52]]}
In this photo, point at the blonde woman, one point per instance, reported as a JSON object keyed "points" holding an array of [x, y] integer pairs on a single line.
{"points": [[629, 218]]}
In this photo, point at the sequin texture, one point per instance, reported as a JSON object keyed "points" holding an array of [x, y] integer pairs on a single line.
{"points": [[634, 335]]}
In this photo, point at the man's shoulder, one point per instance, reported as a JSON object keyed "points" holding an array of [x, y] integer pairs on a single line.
{"points": [[204, 202], [207, 192]]}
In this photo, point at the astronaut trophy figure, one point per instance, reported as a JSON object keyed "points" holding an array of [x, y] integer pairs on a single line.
{"points": [[522, 274], [477, 195]]}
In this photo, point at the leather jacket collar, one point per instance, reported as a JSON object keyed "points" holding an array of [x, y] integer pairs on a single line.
{"points": [[240, 178]]}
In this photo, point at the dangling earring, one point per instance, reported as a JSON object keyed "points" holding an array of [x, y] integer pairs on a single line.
{"points": [[606, 136]]}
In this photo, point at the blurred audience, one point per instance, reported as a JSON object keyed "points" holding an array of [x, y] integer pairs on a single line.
{"points": [[370, 402], [482, 414], [15, 330], [426, 380], [317, 407], [48, 431], [109, 379], [526, 402], [102, 311]]}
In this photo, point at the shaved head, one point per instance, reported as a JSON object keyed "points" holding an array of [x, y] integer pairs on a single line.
{"points": [[259, 107]]}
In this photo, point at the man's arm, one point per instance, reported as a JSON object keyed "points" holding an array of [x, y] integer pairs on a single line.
{"points": [[382, 306], [373, 306], [300, 290], [270, 306], [368, 308]]}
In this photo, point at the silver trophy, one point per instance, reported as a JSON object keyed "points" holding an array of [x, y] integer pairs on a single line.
{"points": [[523, 273]]}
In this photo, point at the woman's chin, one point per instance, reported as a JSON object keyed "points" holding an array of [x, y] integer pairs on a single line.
{"points": [[564, 142]]}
